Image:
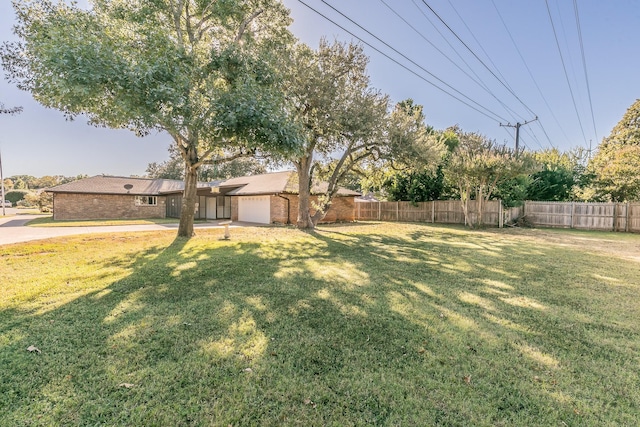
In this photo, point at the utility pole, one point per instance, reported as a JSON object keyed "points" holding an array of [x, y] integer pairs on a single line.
{"points": [[517, 126]]}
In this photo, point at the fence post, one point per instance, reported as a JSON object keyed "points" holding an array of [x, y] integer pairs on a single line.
{"points": [[626, 225], [615, 216], [379, 208], [572, 213], [500, 215], [433, 212], [398, 210]]}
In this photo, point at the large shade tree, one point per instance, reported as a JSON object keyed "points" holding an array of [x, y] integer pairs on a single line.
{"points": [[617, 163], [203, 71], [341, 115]]}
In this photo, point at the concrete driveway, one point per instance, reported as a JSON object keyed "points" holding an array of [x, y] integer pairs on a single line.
{"points": [[13, 229]]}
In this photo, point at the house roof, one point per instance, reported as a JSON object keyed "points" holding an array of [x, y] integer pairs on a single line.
{"points": [[269, 183], [274, 183], [101, 184]]}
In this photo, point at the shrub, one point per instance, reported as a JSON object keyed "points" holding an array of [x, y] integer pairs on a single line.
{"points": [[14, 196]]}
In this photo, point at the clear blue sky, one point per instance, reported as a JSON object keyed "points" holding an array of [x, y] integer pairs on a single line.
{"points": [[40, 142]]}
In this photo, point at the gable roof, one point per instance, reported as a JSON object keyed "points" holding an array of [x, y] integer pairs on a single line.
{"points": [[101, 184], [285, 182], [267, 183]]}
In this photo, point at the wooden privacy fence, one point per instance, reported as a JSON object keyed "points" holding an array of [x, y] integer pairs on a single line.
{"points": [[438, 211], [585, 216]]}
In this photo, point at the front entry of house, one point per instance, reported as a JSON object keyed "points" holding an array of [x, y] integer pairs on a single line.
{"points": [[207, 207], [211, 207], [217, 207]]}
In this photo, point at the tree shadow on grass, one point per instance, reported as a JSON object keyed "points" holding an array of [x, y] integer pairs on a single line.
{"points": [[326, 328]]}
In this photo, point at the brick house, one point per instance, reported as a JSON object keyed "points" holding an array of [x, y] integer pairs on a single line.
{"points": [[265, 199]]}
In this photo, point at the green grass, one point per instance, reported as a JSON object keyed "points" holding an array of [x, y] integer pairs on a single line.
{"points": [[48, 221], [365, 324]]}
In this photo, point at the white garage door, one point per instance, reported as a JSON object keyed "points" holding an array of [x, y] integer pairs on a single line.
{"points": [[254, 209]]}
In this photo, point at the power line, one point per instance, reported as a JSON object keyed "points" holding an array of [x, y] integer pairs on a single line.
{"points": [[534, 136], [480, 45], [407, 58], [447, 41], [479, 82], [555, 35], [404, 66], [544, 98], [584, 66], [477, 57]]}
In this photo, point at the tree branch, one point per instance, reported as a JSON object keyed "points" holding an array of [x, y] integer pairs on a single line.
{"points": [[218, 161], [188, 24], [245, 23], [177, 11], [205, 17]]}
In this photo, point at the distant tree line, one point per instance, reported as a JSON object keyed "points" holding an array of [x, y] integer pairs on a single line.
{"points": [[28, 182], [28, 191], [611, 174]]}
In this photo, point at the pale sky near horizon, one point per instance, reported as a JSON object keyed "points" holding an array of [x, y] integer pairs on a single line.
{"points": [[40, 142]]}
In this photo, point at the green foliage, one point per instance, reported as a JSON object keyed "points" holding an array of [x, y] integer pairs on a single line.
{"points": [[478, 167], [28, 182], [560, 178], [22, 182], [14, 196], [341, 115], [169, 169], [416, 186], [616, 166], [42, 200], [411, 143], [627, 130], [619, 177], [173, 168], [417, 159], [513, 192], [8, 184], [206, 72]]}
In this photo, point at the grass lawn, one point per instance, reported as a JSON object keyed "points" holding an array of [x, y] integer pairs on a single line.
{"points": [[365, 324]]}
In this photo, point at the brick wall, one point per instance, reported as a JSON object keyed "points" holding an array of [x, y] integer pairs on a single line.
{"points": [[279, 210], [103, 206], [342, 209]]}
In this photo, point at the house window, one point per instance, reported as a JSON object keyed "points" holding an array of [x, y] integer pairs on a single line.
{"points": [[146, 200]]}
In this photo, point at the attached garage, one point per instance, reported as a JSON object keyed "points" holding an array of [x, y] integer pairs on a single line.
{"points": [[254, 209]]}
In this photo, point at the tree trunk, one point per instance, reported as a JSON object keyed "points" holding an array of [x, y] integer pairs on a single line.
{"points": [[189, 197], [303, 166], [322, 209], [480, 203], [464, 202]]}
